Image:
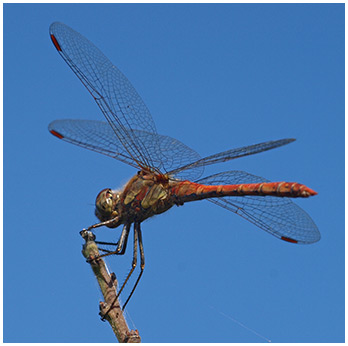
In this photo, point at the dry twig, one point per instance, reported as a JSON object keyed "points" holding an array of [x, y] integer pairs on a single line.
{"points": [[108, 286]]}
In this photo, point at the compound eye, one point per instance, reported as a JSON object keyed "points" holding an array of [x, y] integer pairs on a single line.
{"points": [[104, 202]]}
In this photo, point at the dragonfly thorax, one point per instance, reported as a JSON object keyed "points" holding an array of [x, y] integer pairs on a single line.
{"points": [[105, 204]]}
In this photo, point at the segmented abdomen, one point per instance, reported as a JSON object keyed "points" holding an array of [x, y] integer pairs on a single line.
{"points": [[187, 191]]}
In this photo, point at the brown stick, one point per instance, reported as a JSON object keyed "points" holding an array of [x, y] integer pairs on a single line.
{"points": [[108, 286]]}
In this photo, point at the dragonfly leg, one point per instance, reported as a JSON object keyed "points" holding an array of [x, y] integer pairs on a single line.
{"points": [[105, 243], [121, 244], [135, 258], [142, 261], [137, 238], [112, 223]]}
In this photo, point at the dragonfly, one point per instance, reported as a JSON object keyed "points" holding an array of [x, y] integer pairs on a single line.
{"points": [[169, 173]]}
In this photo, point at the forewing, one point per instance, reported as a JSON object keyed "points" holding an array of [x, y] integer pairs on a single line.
{"points": [[276, 215], [98, 136], [118, 100]]}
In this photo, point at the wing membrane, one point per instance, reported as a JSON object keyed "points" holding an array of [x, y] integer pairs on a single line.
{"points": [[276, 215], [121, 105], [234, 154], [98, 136]]}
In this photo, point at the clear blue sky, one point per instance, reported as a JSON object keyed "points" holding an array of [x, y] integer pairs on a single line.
{"points": [[215, 77]]}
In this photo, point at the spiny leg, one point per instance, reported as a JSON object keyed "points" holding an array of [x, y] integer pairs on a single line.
{"points": [[142, 260], [121, 244], [106, 243], [134, 264]]}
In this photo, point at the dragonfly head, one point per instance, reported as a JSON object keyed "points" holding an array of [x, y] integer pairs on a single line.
{"points": [[105, 204]]}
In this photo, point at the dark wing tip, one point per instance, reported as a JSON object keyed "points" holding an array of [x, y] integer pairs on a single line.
{"points": [[289, 240], [57, 134], [294, 241], [54, 28], [55, 42]]}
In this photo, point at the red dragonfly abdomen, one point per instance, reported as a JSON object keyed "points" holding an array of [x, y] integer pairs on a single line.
{"points": [[187, 191]]}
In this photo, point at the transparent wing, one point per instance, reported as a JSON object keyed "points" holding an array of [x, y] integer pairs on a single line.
{"points": [[127, 114], [118, 100], [98, 136], [233, 154], [276, 215]]}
